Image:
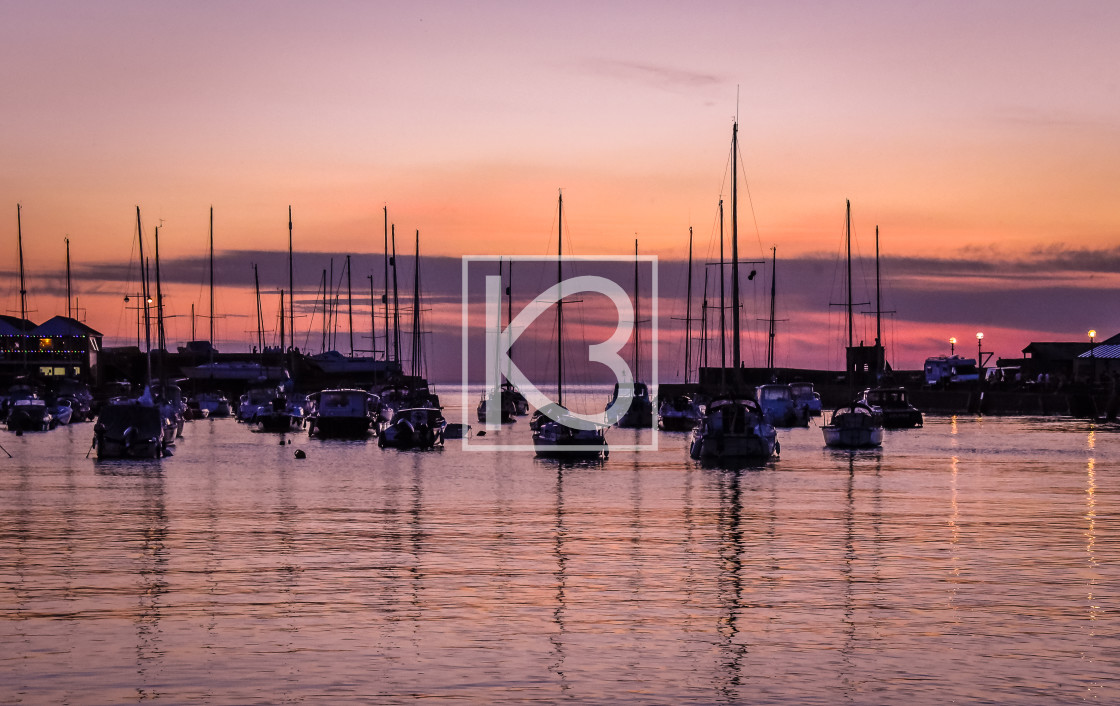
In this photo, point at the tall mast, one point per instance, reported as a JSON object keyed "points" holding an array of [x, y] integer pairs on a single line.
{"points": [[722, 307], [848, 247], [688, 314], [291, 288], [396, 301], [385, 296], [417, 352], [878, 296], [329, 301], [560, 302], [637, 315], [350, 306], [773, 293], [69, 309], [211, 284], [260, 311], [144, 294], [22, 284], [326, 293], [160, 338], [736, 359], [509, 319]]}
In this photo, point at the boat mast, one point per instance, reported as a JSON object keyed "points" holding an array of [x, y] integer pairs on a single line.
{"points": [[69, 309], [736, 356], [773, 293], [211, 284], [509, 319], [637, 315], [396, 301], [282, 331], [350, 306], [22, 284], [722, 307], [160, 337], [417, 367], [260, 311], [385, 296], [323, 286], [144, 294], [560, 302], [688, 314], [878, 296], [848, 247], [291, 288]]}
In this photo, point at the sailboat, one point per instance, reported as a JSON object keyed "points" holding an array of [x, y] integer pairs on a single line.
{"points": [[892, 404], [681, 411], [733, 427], [854, 425], [639, 413], [134, 428], [494, 400], [556, 432]]}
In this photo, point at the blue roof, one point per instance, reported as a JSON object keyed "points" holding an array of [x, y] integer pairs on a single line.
{"points": [[1105, 351]]}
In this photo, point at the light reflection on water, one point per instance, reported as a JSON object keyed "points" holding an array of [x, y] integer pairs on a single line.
{"points": [[970, 559]]}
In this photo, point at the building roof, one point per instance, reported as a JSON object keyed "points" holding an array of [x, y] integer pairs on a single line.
{"points": [[1056, 350], [64, 326], [1104, 351], [13, 325]]}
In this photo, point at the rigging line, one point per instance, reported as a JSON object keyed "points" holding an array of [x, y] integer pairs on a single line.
{"points": [[750, 201]]}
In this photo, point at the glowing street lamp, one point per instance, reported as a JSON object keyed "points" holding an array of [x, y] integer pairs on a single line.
{"points": [[979, 352], [952, 345], [1092, 355]]}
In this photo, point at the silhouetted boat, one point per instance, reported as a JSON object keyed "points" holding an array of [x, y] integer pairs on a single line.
{"points": [[854, 425], [557, 433]]}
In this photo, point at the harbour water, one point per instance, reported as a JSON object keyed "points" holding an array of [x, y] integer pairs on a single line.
{"points": [[974, 559]]}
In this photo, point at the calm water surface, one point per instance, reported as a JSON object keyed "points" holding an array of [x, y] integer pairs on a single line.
{"points": [[972, 560]]}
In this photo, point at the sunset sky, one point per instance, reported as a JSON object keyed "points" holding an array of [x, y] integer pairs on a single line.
{"points": [[983, 138]]}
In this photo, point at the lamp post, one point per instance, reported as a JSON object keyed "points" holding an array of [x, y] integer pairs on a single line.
{"points": [[952, 345], [979, 356], [1092, 357]]}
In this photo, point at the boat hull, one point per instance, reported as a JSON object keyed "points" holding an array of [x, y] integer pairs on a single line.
{"points": [[852, 437]]}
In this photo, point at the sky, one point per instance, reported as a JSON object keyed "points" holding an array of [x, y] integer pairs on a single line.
{"points": [[981, 138]]}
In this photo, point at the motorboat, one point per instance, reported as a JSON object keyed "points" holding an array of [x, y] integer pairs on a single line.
{"points": [[853, 426], [499, 402], [413, 428], [341, 413], [679, 413], [216, 404], [129, 429], [569, 438], [30, 414], [805, 396], [778, 406], [893, 407]]}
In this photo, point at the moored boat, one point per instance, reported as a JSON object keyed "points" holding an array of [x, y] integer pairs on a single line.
{"points": [[341, 413], [853, 426], [734, 428], [892, 404]]}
